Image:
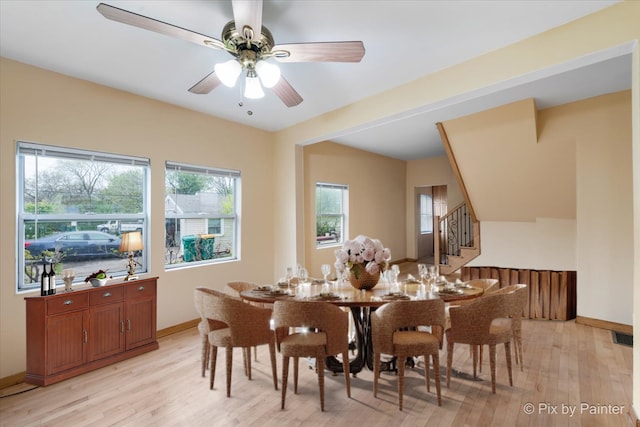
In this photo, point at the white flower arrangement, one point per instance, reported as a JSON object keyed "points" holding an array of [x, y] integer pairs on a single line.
{"points": [[362, 253]]}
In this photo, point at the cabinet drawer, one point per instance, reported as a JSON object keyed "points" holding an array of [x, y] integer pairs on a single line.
{"points": [[106, 295], [142, 289], [67, 303]]}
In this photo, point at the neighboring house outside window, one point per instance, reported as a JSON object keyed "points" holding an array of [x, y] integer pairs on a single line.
{"points": [[73, 207], [332, 202], [201, 214]]}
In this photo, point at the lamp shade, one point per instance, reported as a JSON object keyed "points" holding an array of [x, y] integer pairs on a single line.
{"points": [[269, 73], [253, 89], [228, 72], [131, 241]]}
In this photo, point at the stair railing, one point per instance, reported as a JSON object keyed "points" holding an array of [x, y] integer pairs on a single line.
{"points": [[455, 231]]}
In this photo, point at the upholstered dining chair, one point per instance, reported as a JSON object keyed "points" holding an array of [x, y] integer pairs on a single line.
{"points": [[247, 326], [473, 324], [518, 304], [394, 331], [324, 332], [487, 285], [205, 325], [238, 287]]}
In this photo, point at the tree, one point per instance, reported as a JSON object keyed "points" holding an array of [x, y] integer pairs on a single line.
{"points": [[222, 185], [187, 183], [123, 193]]}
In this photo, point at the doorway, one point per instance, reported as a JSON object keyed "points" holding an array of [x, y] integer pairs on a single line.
{"points": [[431, 201]]}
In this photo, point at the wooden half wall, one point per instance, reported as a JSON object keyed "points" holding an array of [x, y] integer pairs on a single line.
{"points": [[552, 294]]}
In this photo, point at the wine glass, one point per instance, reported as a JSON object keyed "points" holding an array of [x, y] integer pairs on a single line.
{"points": [[396, 269], [422, 271], [326, 270], [288, 276], [303, 275], [432, 277]]}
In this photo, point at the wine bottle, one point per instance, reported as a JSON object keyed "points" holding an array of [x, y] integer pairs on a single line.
{"points": [[44, 281], [52, 280]]}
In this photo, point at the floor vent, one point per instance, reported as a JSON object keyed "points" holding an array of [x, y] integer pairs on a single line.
{"points": [[623, 339]]}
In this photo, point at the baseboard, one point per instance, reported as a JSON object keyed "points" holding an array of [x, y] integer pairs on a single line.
{"points": [[177, 328], [12, 380], [605, 324]]}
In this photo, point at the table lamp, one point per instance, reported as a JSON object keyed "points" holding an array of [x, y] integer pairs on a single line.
{"points": [[131, 242]]}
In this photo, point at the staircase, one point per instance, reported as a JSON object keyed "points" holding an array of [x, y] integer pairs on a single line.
{"points": [[457, 239], [457, 234]]}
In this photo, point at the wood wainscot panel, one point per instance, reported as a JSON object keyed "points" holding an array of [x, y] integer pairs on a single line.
{"points": [[552, 294]]}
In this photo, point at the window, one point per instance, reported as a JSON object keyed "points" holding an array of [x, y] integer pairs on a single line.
{"points": [[216, 226], [73, 206], [331, 210], [426, 214], [201, 214]]}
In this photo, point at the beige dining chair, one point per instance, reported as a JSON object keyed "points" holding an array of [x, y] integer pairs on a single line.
{"points": [[205, 325], [518, 304], [473, 324], [395, 331], [487, 286], [238, 287], [247, 326], [323, 332]]}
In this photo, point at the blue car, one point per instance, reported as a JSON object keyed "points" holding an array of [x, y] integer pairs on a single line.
{"points": [[76, 244]]}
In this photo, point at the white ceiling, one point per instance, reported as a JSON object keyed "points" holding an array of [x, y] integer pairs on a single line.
{"points": [[404, 40]]}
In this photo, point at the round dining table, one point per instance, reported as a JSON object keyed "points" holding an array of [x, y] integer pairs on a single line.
{"points": [[361, 303]]}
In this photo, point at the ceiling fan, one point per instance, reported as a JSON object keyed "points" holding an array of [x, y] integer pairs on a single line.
{"points": [[251, 45]]}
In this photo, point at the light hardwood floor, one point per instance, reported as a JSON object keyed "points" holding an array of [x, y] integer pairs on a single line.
{"points": [[566, 364]]}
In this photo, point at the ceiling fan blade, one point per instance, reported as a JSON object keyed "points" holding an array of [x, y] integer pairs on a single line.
{"points": [[287, 93], [206, 85], [248, 12], [140, 21], [322, 52]]}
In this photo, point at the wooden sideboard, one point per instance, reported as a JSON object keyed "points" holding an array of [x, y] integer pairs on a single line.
{"points": [[71, 333]]}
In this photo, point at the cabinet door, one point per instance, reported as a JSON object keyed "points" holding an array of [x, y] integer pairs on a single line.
{"points": [[140, 313], [106, 331], [66, 341]]}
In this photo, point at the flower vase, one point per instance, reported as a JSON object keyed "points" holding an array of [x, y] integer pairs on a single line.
{"points": [[364, 280]]}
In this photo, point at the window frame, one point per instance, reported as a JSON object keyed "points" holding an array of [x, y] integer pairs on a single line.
{"points": [[177, 218], [22, 217], [343, 215]]}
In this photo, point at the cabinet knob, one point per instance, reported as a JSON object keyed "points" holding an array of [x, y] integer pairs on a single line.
{"points": [[68, 302], [107, 294], [141, 288]]}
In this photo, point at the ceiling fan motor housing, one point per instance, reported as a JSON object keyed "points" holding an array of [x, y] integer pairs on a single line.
{"points": [[247, 50]]}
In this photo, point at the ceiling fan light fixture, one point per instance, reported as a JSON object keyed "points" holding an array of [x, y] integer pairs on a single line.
{"points": [[252, 87], [269, 73], [228, 72]]}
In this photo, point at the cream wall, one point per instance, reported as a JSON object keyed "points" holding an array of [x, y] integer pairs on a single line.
{"points": [[543, 244], [49, 108], [583, 148], [427, 172], [376, 198], [605, 206]]}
